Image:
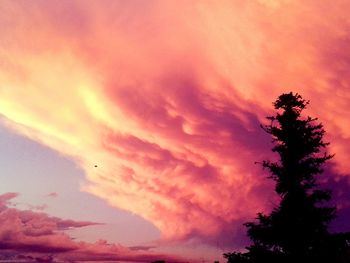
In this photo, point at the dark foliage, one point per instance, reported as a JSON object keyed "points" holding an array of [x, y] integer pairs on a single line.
{"points": [[297, 229]]}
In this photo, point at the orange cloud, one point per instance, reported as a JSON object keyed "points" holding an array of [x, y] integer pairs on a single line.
{"points": [[165, 97]]}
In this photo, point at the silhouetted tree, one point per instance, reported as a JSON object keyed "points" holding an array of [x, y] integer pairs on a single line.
{"points": [[297, 229]]}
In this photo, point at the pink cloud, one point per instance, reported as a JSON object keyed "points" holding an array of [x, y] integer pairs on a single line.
{"points": [[29, 234], [53, 194], [34, 231], [5, 199], [165, 98]]}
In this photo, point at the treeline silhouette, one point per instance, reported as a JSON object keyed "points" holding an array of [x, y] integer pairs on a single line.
{"points": [[297, 230]]}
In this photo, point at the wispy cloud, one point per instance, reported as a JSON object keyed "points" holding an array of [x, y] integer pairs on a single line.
{"points": [[53, 194], [37, 207], [160, 102]]}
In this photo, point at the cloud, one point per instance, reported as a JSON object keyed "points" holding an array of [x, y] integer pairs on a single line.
{"points": [[34, 231], [53, 194], [33, 235], [141, 248], [37, 207], [160, 102]]}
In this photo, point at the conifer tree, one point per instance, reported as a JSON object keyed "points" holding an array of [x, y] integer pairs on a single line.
{"points": [[297, 229]]}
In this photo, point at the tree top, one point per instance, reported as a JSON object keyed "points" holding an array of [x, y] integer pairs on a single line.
{"points": [[290, 101]]}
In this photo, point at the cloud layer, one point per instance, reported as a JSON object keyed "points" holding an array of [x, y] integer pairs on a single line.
{"points": [[25, 234], [160, 101]]}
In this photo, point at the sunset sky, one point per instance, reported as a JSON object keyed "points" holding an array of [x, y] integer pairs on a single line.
{"points": [[129, 129]]}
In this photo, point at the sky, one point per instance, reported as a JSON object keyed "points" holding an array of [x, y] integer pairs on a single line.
{"points": [[129, 130]]}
